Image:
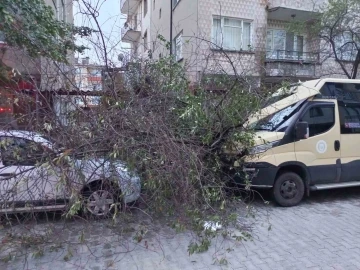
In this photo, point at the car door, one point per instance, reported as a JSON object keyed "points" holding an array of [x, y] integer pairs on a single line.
{"points": [[33, 177], [8, 188], [320, 152]]}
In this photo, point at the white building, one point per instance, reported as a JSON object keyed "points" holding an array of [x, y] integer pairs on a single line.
{"points": [[252, 34]]}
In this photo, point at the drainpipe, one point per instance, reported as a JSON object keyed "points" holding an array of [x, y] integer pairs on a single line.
{"points": [[171, 30]]}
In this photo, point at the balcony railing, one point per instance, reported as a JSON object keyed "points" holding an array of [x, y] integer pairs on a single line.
{"points": [[297, 56], [131, 31], [289, 69]]}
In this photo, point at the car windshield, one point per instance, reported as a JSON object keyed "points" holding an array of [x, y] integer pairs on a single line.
{"points": [[278, 121]]}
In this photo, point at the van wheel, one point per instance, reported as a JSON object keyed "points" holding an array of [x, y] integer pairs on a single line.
{"points": [[289, 189]]}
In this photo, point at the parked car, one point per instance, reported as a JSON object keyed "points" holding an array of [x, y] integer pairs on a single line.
{"points": [[35, 176]]}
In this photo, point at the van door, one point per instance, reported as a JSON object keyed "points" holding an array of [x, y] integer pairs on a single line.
{"points": [[320, 152], [350, 140]]}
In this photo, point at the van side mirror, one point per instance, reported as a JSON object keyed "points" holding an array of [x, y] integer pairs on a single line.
{"points": [[302, 130]]}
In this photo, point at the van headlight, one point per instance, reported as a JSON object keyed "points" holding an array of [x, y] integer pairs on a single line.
{"points": [[262, 148]]}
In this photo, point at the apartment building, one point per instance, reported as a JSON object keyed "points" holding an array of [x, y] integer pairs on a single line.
{"points": [[37, 77], [40, 70], [207, 34], [88, 76]]}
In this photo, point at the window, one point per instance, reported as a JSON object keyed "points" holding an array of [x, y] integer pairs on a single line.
{"points": [[135, 21], [175, 2], [284, 45], [160, 13], [2, 37], [95, 72], [346, 47], [145, 41], [136, 49], [18, 151], [231, 34], [154, 5], [320, 119], [178, 44], [347, 92], [349, 117], [61, 10], [145, 7]]}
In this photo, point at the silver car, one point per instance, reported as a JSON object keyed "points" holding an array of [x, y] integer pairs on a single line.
{"points": [[35, 176]]}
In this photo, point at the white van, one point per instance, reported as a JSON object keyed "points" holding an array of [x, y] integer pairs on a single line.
{"points": [[308, 139]]}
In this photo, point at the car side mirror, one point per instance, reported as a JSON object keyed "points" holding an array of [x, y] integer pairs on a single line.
{"points": [[302, 130]]}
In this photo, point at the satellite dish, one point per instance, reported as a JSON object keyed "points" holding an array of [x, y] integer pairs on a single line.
{"points": [[121, 57]]}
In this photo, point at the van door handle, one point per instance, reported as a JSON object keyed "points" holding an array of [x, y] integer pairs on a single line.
{"points": [[337, 145]]}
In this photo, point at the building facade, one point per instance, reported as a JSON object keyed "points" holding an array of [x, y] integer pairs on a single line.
{"points": [[232, 36], [88, 76], [32, 79], [43, 72]]}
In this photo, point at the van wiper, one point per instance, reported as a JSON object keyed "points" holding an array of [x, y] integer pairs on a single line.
{"points": [[267, 129]]}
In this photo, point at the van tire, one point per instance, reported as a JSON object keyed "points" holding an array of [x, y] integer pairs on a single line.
{"points": [[289, 189]]}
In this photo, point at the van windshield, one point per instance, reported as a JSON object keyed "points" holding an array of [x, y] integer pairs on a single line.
{"points": [[280, 120]]}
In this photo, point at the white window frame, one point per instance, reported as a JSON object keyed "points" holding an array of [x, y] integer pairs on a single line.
{"points": [[272, 54], [61, 10], [178, 47], [146, 7], [342, 40], [175, 3], [2, 34], [146, 42], [222, 20]]}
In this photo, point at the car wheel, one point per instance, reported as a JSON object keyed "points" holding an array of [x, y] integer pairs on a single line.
{"points": [[100, 201], [289, 189]]}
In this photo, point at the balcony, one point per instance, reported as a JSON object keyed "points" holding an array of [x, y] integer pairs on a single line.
{"points": [[295, 64], [289, 70], [131, 31], [129, 7], [304, 10], [292, 56]]}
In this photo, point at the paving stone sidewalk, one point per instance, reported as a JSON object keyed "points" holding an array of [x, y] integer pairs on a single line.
{"points": [[321, 233]]}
